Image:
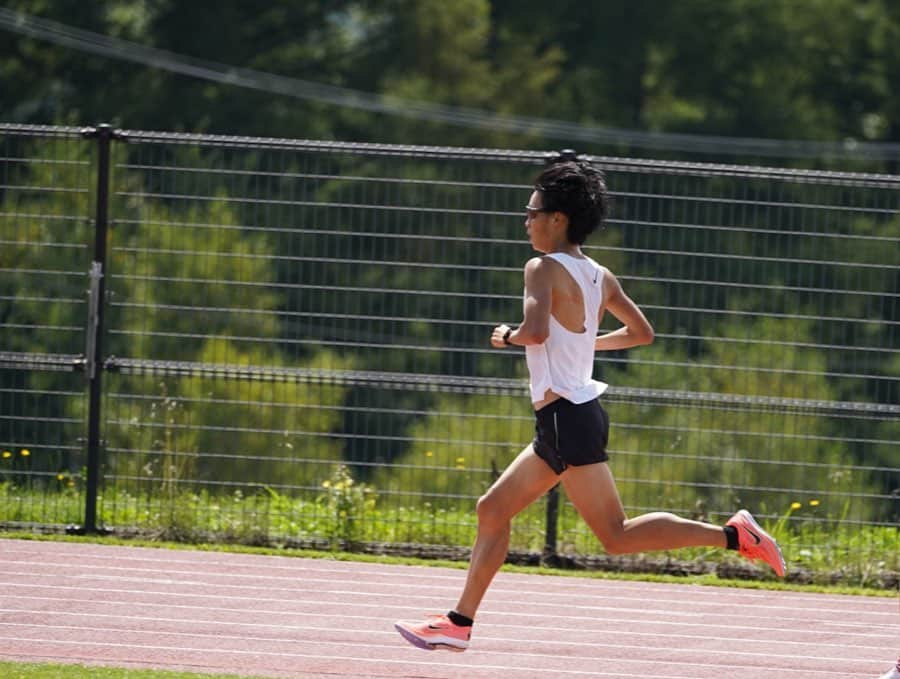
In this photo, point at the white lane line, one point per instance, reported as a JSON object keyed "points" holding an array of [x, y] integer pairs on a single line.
{"points": [[392, 596], [563, 582], [370, 659], [486, 616], [380, 620], [169, 577], [668, 648], [301, 565]]}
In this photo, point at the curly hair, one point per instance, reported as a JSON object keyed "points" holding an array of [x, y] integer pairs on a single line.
{"points": [[578, 190]]}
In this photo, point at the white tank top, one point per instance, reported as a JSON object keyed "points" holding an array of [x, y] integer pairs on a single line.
{"points": [[565, 361]]}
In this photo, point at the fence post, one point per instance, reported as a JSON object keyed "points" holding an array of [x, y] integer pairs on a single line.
{"points": [[104, 134], [551, 521]]}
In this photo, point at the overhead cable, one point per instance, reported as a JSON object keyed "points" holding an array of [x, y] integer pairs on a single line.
{"points": [[116, 48]]}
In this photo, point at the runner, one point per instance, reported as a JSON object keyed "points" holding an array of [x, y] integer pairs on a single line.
{"points": [[566, 295]]}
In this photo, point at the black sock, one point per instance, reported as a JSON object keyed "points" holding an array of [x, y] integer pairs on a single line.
{"points": [[731, 535], [460, 620]]}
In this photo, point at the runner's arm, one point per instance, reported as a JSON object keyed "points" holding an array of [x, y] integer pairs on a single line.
{"points": [[535, 326], [636, 329]]}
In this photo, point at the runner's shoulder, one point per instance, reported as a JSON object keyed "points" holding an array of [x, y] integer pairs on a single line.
{"points": [[543, 264]]}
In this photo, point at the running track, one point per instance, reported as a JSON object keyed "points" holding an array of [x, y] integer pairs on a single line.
{"points": [[295, 617]]}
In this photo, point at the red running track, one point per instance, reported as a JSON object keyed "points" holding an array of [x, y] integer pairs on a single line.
{"points": [[294, 617]]}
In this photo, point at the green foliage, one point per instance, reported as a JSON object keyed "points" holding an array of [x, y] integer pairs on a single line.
{"points": [[225, 432], [459, 449], [185, 271], [45, 239], [717, 458], [347, 504], [820, 70], [818, 544]]}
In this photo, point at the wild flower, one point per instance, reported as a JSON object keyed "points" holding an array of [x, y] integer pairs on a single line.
{"points": [[348, 503]]}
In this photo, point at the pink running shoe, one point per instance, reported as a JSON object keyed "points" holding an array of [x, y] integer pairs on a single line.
{"points": [[437, 632], [894, 673], [755, 543]]}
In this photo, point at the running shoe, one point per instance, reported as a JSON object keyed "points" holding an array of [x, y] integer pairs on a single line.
{"points": [[437, 632], [892, 674], [755, 543]]}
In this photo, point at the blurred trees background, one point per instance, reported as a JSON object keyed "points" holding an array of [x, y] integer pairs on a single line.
{"points": [[813, 70], [821, 70]]}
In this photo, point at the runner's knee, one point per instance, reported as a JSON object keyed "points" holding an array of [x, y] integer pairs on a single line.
{"points": [[490, 511], [614, 546], [612, 537]]}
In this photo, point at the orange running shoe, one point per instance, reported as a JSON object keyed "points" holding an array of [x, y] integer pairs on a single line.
{"points": [[755, 543], [437, 632]]}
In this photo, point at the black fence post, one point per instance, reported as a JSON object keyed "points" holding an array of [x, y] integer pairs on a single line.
{"points": [[104, 134], [552, 526], [551, 521]]}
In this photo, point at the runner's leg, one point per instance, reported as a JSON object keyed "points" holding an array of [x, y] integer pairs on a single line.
{"points": [[592, 490], [524, 481]]}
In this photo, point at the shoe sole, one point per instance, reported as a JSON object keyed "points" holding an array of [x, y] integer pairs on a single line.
{"points": [[749, 517], [421, 643]]}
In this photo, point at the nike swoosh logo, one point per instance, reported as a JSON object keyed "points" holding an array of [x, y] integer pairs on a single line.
{"points": [[754, 535]]}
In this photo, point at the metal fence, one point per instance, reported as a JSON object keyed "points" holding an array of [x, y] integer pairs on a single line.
{"points": [[276, 340]]}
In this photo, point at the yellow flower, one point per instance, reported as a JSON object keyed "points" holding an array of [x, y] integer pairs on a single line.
{"points": [[6, 454], [428, 453], [25, 452], [460, 460], [60, 477], [796, 505], [326, 484], [813, 503]]}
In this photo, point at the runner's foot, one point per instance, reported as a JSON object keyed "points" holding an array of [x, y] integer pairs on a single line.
{"points": [[755, 543], [436, 632]]}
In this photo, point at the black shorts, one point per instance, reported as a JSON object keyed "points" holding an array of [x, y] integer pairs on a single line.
{"points": [[569, 434]]}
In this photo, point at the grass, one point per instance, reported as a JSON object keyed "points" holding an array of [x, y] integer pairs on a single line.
{"points": [[346, 516], [10, 670]]}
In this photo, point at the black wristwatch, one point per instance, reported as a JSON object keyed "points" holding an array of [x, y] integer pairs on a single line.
{"points": [[506, 337]]}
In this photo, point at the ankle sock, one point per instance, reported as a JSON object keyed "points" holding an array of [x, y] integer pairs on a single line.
{"points": [[731, 535], [460, 620]]}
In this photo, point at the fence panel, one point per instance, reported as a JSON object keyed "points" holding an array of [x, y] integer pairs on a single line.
{"points": [[297, 345], [45, 205]]}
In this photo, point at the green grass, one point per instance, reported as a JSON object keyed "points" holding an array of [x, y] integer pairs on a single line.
{"points": [[9, 670], [346, 516]]}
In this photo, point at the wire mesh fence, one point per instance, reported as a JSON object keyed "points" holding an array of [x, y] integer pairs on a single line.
{"points": [[295, 343], [45, 196]]}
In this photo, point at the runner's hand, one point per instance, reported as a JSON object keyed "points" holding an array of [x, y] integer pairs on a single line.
{"points": [[497, 337]]}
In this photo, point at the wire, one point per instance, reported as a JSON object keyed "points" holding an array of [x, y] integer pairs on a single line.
{"points": [[115, 48]]}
